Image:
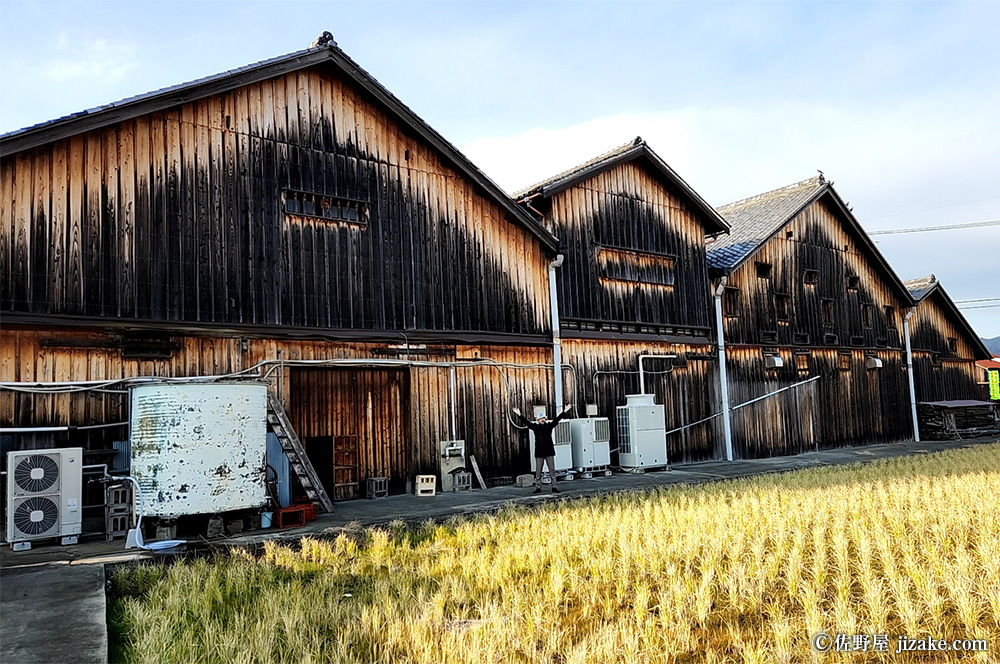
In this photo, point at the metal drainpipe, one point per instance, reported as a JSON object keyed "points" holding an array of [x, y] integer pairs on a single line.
{"points": [[723, 378], [642, 374], [454, 405], [909, 375], [556, 340]]}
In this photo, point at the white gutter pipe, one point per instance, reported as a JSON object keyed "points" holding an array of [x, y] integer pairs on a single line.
{"points": [[909, 375], [727, 427], [642, 374], [454, 404], [556, 339]]}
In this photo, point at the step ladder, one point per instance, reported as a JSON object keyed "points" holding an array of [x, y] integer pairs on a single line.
{"points": [[277, 422]]}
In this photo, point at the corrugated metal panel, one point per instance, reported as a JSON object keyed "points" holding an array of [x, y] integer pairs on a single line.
{"points": [[277, 460], [199, 449]]}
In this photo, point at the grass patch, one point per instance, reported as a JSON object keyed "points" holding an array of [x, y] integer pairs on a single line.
{"points": [[739, 571]]}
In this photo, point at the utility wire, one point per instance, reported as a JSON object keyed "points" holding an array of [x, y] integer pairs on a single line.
{"points": [[924, 229], [981, 306], [981, 299]]}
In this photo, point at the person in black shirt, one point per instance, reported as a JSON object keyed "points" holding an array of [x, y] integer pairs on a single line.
{"points": [[545, 451]]}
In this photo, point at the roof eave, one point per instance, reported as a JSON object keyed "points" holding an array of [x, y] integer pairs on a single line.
{"points": [[977, 343]]}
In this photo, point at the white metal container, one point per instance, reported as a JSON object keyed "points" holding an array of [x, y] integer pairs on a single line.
{"points": [[561, 439], [591, 444], [642, 433], [199, 448]]}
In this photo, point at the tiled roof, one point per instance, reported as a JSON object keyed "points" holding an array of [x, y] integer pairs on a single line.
{"points": [[607, 156], [753, 220], [921, 288]]}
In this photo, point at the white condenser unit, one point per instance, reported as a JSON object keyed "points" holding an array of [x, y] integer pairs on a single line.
{"points": [[642, 433], [561, 439], [591, 443], [44, 492]]}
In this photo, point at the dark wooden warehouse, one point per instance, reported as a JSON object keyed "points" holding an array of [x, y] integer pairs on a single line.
{"points": [[290, 210], [802, 282], [945, 347], [635, 282]]}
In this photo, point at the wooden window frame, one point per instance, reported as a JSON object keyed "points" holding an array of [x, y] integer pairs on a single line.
{"points": [[810, 277], [844, 361], [732, 302], [763, 269], [831, 319], [783, 311], [853, 282], [295, 202]]}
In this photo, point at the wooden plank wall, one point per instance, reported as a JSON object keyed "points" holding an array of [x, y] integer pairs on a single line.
{"points": [[625, 207], [687, 387], [941, 374], [401, 413], [856, 406], [815, 240], [178, 216]]}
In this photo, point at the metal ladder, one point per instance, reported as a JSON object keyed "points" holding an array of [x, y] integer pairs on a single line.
{"points": [[277, 422]]}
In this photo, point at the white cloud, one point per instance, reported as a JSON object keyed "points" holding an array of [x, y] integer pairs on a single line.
{"points": [[96, 61]]}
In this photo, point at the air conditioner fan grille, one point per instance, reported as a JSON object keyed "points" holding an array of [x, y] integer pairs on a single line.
{"points": [[36, 515], [36, 473]]}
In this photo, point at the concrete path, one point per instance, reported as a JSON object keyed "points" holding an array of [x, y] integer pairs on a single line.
{"points": [[53, 613], [52, 603]]}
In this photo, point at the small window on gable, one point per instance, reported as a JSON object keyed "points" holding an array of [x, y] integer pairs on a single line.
{"points": [[857, 341], [853, 282], [802, 362], [769, 336], [810, 277], [327, 208], [782, 304], [788, 235], [890, 318], [636, 267], [831, 339], [764, 270], [827, 308], [952, 344], [731, 302], [801, 337], [936, 360], [844, 361], [866, 315]]}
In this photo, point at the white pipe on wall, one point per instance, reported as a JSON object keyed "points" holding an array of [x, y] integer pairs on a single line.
{"points": [[909, 375], [556, 339], [642, 373], [727, 427]]}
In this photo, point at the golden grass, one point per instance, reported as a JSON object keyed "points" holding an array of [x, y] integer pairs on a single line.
{"points": [[739, 571]]}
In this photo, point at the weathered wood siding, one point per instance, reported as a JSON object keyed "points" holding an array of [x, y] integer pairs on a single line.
{"points": [[400, 413], [816, 239], [635, 253], [687, 386], [848, 405], [180, 216], [944, 358]]}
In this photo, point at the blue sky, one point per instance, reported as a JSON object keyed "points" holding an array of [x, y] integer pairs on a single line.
{"points": [[895, 101]]}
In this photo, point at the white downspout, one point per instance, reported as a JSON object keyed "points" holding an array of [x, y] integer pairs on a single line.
{"points": [[556, 339], [723, 379], [453, 404], [909, 375]]}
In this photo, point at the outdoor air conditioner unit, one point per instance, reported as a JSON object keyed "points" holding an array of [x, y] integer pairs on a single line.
{"points": [[562, 440], [44, 491], [642, 434], [591, 443]]}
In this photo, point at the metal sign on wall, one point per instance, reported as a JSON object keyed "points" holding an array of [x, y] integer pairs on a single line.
{"points": [[199, 448]]}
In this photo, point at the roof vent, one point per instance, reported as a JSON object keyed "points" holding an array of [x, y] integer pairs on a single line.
{"points": [[324, 40]]}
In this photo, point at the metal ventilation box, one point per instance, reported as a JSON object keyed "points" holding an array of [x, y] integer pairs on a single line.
{"points": [[44, 490], [591, 444], [642, 433], [561, 439], [199, 448]]}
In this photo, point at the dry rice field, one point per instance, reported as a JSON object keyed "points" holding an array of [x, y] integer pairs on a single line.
{"points": [[738, 571]]}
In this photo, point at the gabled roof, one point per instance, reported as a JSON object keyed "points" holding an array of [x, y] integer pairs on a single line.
{"points": [[635, 149], [924, 287], [754, 220], [757, 219], [329, 54]]}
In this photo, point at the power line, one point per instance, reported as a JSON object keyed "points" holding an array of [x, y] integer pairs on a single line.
{"points": [[981, 299], [950, 227], [981, 306], [939, 207]]}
